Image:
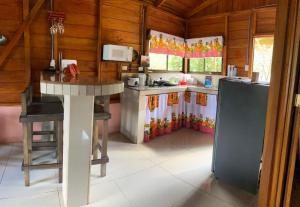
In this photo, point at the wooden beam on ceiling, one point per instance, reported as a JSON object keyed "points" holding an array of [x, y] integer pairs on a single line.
{"points": [[158, 3], [200, 7], [8, 48]]}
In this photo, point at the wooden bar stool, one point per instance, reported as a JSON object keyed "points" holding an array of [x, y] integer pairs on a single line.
{"points": [[101, 112], [40, 112]]}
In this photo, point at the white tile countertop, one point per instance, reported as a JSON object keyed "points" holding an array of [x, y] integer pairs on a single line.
{"points": [[146, 90]]}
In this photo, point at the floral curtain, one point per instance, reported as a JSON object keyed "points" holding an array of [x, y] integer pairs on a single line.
{"points": [[168, 112], [162, 43], [204, 47]]}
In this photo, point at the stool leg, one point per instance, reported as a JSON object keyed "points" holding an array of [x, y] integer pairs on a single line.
{"points": [[106, 100], [59, 141], [26, 140], [95, 141], [104, 147], [30, 133]]}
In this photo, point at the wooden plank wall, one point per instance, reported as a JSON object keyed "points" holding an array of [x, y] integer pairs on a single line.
{"points": [[12, 73], [78, 42], [120, 20], [120, 25], [238, 29], [165, 22]]}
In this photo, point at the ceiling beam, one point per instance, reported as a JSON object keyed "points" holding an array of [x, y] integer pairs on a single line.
{"points": [[200, 7], [158, 3]]}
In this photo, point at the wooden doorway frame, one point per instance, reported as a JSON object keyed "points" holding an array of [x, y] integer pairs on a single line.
{"points": [[280, 112]]}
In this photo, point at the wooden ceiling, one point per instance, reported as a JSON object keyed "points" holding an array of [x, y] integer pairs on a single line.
{"points": [[182, 8], [189, 8]]}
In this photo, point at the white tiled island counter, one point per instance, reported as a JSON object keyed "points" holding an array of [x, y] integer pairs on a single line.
{"points": [[79, 94], [135, 109]]}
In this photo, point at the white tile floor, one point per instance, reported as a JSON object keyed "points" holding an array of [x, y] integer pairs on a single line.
{"points": [[170, 171]]}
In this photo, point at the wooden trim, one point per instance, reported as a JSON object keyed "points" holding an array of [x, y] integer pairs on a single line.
{"points": [[158, 3], [27, 58], [225, 56], [8, 48], [200, 7], [99, 41], [280, 105], [292, 160], [295, 135], [252, 25], [143, 29]]}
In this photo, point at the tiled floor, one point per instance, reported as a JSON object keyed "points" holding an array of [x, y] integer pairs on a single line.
{"points": [[170, 171]]}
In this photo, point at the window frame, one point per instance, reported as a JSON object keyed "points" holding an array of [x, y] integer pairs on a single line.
{"points": [[205, 73], [167, 70], [253, 48]]}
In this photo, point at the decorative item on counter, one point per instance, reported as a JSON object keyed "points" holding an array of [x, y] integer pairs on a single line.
{"points": [[72, 69], [182, 83], [255, 77], [142, 79], [145, 61], [135, 55], [3, 39], [56, 20], [231, 71], [208, 82], [66, 62]]}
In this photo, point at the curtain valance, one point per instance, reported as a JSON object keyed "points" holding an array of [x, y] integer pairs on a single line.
{"points": [[163, 43]]}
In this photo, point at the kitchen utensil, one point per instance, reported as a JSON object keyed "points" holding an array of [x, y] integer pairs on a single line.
{"points": [[142, 79], [133, 81]]}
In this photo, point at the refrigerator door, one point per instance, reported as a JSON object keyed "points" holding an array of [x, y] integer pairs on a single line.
{"points": [[239, 133]]}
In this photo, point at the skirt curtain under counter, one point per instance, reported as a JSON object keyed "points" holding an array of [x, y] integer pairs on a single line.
{"points": [[168, 112]]}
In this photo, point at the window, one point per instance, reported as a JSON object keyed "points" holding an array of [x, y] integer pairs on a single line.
{"points": [[206, 65], [158, 61], [262, 58], [197, 65], [165, 62], [175, 63]]}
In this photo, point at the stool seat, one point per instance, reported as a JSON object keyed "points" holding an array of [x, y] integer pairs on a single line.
{"points": [[45, 99], [43, 113], [100, 114]]}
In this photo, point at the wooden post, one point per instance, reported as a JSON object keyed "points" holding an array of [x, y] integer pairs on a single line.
{"points": [[280, 107], [224, 71], [99, 41], [104, 137], [26, 154], [59, 141], [27, 43], [95, 139]]}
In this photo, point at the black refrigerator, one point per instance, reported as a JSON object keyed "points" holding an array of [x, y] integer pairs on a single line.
{"points": [[240, 125]]}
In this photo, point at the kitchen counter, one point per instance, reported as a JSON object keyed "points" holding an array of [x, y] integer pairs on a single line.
{"points": [[133, 106], [146, 90]]}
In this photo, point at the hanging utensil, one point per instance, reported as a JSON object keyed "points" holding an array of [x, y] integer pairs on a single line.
{"points": [[3, 40]]}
